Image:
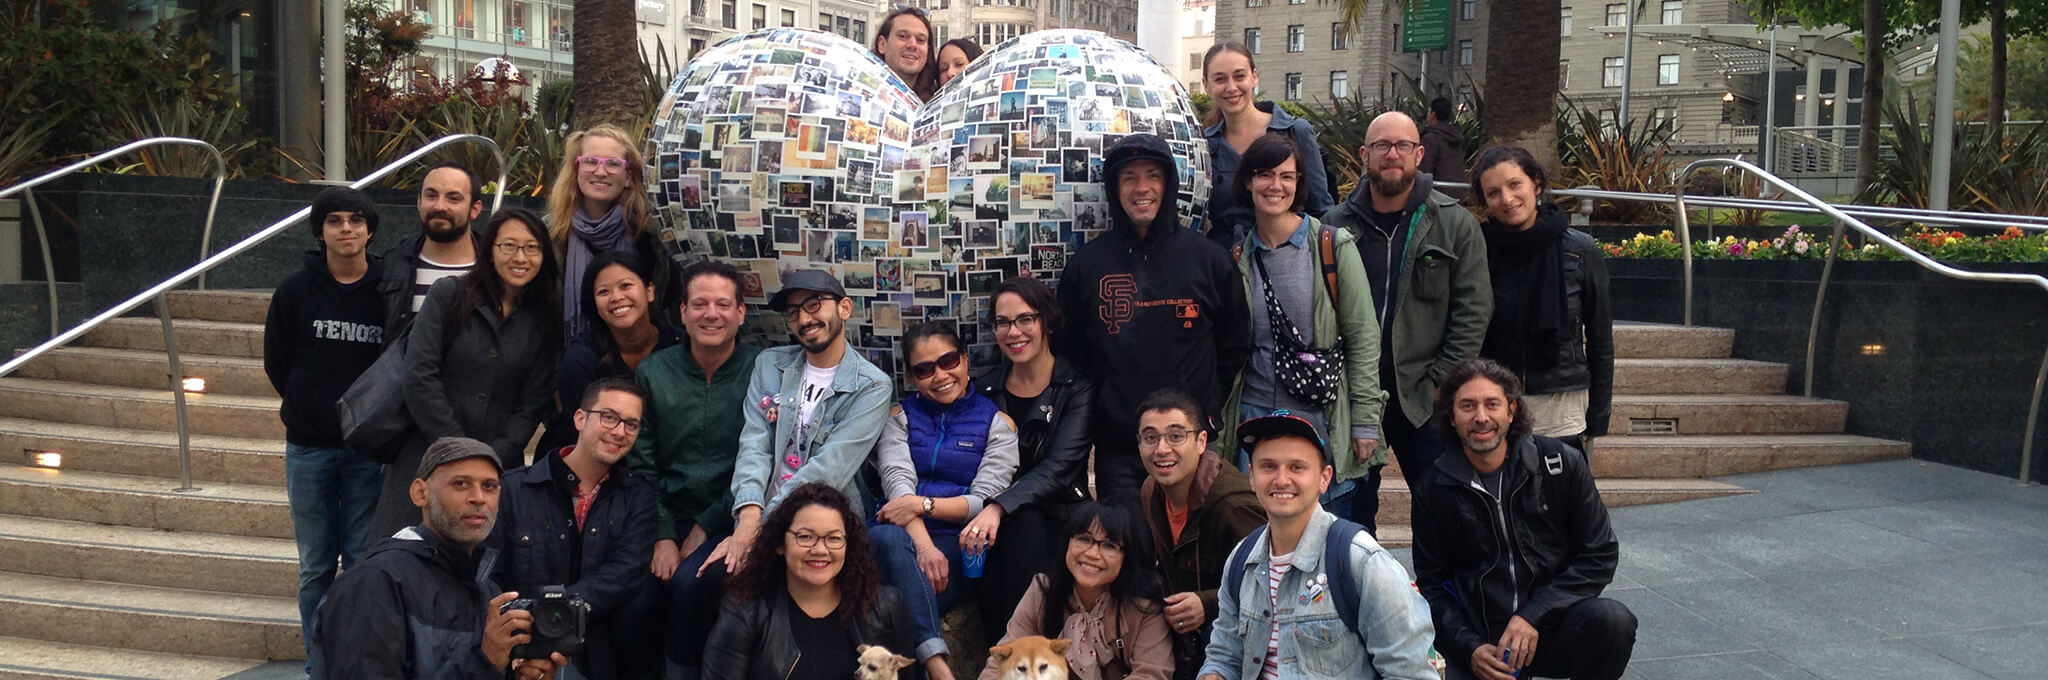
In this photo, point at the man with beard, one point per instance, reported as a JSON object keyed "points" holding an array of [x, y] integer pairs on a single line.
{"points": [[1426, 260], [449, 200], [813, 411], [1512, 543], [604, 562], [422, 604]]}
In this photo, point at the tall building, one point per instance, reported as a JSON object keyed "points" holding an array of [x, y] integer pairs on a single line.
{"points": [[711, 21], [1304, 55], [990, 22], [1197, 33]]}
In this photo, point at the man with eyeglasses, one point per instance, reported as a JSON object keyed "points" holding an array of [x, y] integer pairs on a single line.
{"points": [[449, 200], [690, 437], [1426, 261], [575, 518], [1198, 507]]}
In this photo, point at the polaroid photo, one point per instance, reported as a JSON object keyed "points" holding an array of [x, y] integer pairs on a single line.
{"points": [[916, 227], [910, 185], [992, 197], [874, 224], [737, 158], [691, 190], [787, 231], [888, 275], [795, 194], [857, 277], [985, 152], [928, 288], [1035, 190], [770, 157]]}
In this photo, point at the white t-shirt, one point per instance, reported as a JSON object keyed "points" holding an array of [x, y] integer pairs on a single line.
{"points": [[1280, 566], [817, 384]]}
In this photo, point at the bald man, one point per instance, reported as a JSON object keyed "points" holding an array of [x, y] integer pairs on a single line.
{"points": [[1426, 260]]}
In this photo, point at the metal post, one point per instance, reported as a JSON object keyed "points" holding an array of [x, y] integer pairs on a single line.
{"points": [[2033, 413], [1945, 57], [1771, 104], [1628, 62], [332, 73], [163, 313], [1820, 297], [1422, 77], [28, 198]]}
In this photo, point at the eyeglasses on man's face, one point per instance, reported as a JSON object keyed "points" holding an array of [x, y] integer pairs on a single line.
{"points": [[608, 419], [812, 305], [1383, 146], [1175, 437]]}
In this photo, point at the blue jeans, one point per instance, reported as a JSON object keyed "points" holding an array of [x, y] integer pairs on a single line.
{"points": [[898, 555], [333, 492]]}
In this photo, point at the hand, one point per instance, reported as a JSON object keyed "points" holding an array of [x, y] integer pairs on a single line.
{"points": [[1184, 612], [539, 669], [694, 540], [902, 510], [1486, 664], [504, 630], [935, 567], [1520, 642], [1362, 448], [981, 533], [666, 558], [733, 550]]}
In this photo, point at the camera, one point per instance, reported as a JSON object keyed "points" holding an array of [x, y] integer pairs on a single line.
{"points": [[558, 623]]}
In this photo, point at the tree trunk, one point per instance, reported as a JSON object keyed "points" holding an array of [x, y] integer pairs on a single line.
{"points": [[607, 73], [1994, 109], [1521, 83], [1867, 141]]}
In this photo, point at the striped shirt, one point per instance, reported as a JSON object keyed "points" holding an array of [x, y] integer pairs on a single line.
{"points": [[1281, 564], [425, 272]]}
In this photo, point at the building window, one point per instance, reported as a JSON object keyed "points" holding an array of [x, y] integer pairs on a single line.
{"points": [[825, 22], [1667, 69], [1663, 116], [1297, 38], [1340, 84], [1255, 3], [1251, 40], [1464, 53], [1468, 10], [1609, 121], [844, 26], [1673, 12], [1293, 87], [1339, 40], [1610, 72], [1617, 14], [1564, 22], [729, 11], [1195, 61], [1564, 74], [760, 16], [860, 30], [788, 18], [996, 34], [1297, 2], [941, 38]]}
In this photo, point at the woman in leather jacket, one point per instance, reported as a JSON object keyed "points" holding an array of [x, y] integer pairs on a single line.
{"points": [[803, 605]]}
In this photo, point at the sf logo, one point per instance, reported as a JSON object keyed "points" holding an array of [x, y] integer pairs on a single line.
{"points": [[1116, 291]]}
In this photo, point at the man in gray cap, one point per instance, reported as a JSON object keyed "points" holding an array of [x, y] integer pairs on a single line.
{"points": [[422, 604], [813, 411]]}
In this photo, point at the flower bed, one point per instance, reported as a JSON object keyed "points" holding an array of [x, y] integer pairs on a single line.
{"points": [[2011, 245]]}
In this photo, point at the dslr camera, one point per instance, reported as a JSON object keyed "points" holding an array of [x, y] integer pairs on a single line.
{"points": [[558, 623]]}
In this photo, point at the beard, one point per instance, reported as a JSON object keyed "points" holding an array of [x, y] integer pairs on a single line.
{"points": [[1392, 187], [448, 523], [833, 329], [449, 234], [1474, 445]]}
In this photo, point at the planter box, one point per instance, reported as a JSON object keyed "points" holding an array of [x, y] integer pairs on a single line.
{"points": [[1948, 365]]}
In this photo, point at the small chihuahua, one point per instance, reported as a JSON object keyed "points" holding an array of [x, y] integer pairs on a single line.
{"points": [[878, 663]]}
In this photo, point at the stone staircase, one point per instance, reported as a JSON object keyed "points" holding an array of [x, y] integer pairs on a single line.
{"points": [[107, 571]]}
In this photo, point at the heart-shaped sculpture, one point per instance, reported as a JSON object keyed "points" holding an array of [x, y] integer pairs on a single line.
{"points": [[787, 148]]}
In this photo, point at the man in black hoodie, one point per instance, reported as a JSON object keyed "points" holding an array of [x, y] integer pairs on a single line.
{"points": [[1443, 146], [326, 325], [1151, 305]]}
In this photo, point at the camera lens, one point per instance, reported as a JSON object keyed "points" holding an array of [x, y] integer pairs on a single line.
{"points": [[552, 620]]}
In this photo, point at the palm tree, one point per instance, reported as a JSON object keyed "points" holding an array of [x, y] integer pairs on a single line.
{"points": [[1521, 71], [608, 86]]}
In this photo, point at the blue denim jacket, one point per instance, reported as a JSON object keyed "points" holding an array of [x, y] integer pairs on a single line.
{"points": [[1394, 629], [849, 421]]}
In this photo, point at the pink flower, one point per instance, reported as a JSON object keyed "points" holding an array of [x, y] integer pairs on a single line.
{"points": [[1801, 247], [1735, 248]]}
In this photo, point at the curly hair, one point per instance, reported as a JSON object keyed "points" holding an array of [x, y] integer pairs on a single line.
{"points": [[1467, 371], [1137, 583], [859, 580]]}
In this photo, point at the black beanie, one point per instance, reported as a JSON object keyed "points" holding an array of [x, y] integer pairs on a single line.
{"points": [[343, 199]]}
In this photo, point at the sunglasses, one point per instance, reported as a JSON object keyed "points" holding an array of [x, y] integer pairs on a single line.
{"points": [[947, 362]]}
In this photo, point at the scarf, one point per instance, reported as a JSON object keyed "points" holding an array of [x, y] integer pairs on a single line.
{"points": [[1093, 648], [1541, 245], [587, 238]]}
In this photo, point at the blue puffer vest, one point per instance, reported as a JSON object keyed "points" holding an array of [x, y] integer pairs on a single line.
{"points": [[946, 445]]}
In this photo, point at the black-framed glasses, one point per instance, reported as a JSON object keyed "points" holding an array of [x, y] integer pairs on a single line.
{"points": [[608, 419], [1175, 437], [509, 249], [812, 305], [1082, 542], [805, 539], [1022, 321], [1383, 146], [945, 362]]}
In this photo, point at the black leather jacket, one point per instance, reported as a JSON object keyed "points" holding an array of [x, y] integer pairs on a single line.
{"points": [[752, 640], [1052, 461], [1554, 525]]}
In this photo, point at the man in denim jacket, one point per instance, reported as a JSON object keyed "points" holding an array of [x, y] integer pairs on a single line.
{"points": [[1282, 621], [814, 410]]}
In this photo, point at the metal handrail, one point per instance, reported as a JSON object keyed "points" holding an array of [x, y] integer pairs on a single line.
{"points": [[35, 214], [1843, 219], [158, 292], [1955, 218]]}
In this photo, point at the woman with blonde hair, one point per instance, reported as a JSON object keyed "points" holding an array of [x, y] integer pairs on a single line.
{"points": [[598, 205]]}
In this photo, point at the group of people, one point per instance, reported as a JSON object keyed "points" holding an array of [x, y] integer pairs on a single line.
{"points": [[1175, 465]]}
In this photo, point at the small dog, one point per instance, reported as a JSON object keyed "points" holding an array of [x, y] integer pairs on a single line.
{"points": [[878, 663], [1031, 658]]}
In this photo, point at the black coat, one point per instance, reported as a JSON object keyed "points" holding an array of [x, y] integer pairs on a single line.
{"points": [[1055, 469], [318, 337], [414, 608], [1549, 365], [1556, 528], [751, 640]]}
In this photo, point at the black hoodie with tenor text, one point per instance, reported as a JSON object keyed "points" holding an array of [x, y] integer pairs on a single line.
{"points": [[319, 336]]}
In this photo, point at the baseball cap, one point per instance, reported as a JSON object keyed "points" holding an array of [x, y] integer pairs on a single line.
{"points": [[1278, 424], [450, 449], [814, 280]]}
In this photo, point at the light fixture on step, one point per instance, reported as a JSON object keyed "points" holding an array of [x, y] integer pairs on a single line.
{"points": [[1873, 349], [48, 459], [193, 384]]}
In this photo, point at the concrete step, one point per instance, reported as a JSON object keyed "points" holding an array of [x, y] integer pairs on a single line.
{"points": [[1695, 376], [1668, 456], [1729, 413], [146, 502], [227, 338], [239, 306], [147, 453], [171, 559], [1639, 340], [138, 408], [44, 660], [149, 619], [1395, 502], [150, 369]]}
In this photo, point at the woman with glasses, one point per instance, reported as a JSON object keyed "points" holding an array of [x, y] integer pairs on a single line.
{"points": [[619, 289], [599, 205], [1110, 612], [1235, 121], [906, 47], [1315, 341], [945, 451], [1050, 403], [480, 357], [808, 598]]}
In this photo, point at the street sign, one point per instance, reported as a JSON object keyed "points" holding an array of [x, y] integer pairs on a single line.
{"points": [[1427, 26]]}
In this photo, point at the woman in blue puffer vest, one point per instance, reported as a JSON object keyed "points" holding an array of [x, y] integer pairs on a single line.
{"points": [[944, 453]]}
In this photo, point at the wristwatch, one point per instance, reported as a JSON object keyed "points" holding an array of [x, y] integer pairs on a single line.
{"points": [[927, 505]]}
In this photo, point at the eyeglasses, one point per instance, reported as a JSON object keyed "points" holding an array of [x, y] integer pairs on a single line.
{"points": [[947, 361], [1383, 146], [1174, 437], [508, 249], [1022, 321], [805, 539], [1082, 542], [606, 162], [1269, 174], [608, 419], [812, 305]]}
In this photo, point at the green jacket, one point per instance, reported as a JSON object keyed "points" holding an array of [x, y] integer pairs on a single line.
{"points": [[690, 436], [1359, 397], [1444, 299]]}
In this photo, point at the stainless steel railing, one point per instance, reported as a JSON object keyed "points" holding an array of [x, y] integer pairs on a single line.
{"points": [[1955, 218], [159, 292]]}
